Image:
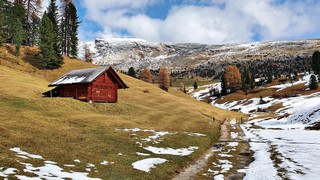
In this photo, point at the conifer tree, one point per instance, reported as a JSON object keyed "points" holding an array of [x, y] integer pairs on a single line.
{"points": [[195, 85], [17, 36], [53, 16], [132, 72], [146, 75], [223, 85], [313, 84], [315, 64], [2, 17], [46, 44], [164, 79], [74, 25]]}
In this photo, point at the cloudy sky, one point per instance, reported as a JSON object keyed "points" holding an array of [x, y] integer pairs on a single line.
{"points": [[200, 21]]}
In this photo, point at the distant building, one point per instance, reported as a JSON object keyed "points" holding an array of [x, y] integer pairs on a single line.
{"points": [[92, 85]]}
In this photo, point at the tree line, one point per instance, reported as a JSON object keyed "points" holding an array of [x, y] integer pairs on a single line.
{"points": [[55, 31], [163, 77], [234, 79]]}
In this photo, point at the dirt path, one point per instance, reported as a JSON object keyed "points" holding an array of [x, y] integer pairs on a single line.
{"points": [[202, 168]]}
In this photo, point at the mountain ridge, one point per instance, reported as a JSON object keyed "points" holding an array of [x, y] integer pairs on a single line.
{"points": [[192, 58]]}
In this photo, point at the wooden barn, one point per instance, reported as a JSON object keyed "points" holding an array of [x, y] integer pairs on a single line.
{"points": [[93, 85]]}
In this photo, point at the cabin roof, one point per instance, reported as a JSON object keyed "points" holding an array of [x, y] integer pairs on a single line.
{"points": [[83, 76]]}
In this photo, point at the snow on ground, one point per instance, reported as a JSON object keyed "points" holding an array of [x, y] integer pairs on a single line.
{"points": [[205, 93], [283, 154], [283, 149], [50, 169], [297, 112], [170, 151], [156, 138], [147, 164]]}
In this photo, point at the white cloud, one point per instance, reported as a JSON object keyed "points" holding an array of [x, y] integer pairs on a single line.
{"points": [[221, 21]]}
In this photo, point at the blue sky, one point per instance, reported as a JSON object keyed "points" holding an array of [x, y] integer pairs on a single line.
{"points": [[200, 21]]}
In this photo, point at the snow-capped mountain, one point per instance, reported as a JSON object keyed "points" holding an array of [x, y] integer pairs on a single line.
{"points": [[138, 53]]}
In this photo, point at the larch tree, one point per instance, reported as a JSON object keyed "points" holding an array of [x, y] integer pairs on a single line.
{"points": [[32, 8], [146, 75], [164, 78], [88, 55], [69, 28], [232, 78]]}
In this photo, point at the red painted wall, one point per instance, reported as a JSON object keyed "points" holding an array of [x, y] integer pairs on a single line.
{"points": [[102, 89]]}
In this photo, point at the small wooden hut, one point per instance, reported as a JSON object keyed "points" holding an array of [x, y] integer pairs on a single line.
{"points": [[92, 85]]}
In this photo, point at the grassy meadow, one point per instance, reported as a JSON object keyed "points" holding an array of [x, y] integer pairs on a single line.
{"points": [[64, 129]]}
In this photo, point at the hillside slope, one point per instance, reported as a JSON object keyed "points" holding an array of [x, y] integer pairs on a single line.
{"points": [[76, 138]]}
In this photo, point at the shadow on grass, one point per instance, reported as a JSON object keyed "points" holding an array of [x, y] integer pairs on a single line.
{"points": [[32, 57]]}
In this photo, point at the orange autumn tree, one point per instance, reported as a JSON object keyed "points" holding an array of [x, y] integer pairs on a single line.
{"points": [[146, 75], [164, 78], [232, 78]]}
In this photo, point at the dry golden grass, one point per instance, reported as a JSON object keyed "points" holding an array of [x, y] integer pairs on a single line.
{"points": [[63, 129]]}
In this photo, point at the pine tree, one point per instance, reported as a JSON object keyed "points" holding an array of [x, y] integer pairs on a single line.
{"points": [[17, 35], [315, 64], [223, 85], [74, 25], [146, 75], [195, 85], [252, 81], [132, 72], [313, 84], [53, 16], [46, 44], [164, 78], [2, 23]]}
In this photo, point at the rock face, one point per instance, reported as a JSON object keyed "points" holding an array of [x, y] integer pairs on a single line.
{"points": [[191, 59]]}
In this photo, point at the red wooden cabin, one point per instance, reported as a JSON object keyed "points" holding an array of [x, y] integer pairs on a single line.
{"points": [[93, 84]]}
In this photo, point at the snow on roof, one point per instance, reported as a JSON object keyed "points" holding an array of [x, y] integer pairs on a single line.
{"points": [[79, 76]]}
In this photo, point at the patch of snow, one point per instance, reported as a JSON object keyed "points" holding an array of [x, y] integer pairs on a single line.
{"points": [[195, 134], [77, 160], [104, 163], [233, 144], [90, 165], [170, 151], [262, 166], [142, 154], [219, 177], [225, 155], [146, 164], [20, 152], [234, 135]]}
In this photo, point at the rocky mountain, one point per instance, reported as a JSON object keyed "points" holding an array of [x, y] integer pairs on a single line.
{"points": [[191, 59]]}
